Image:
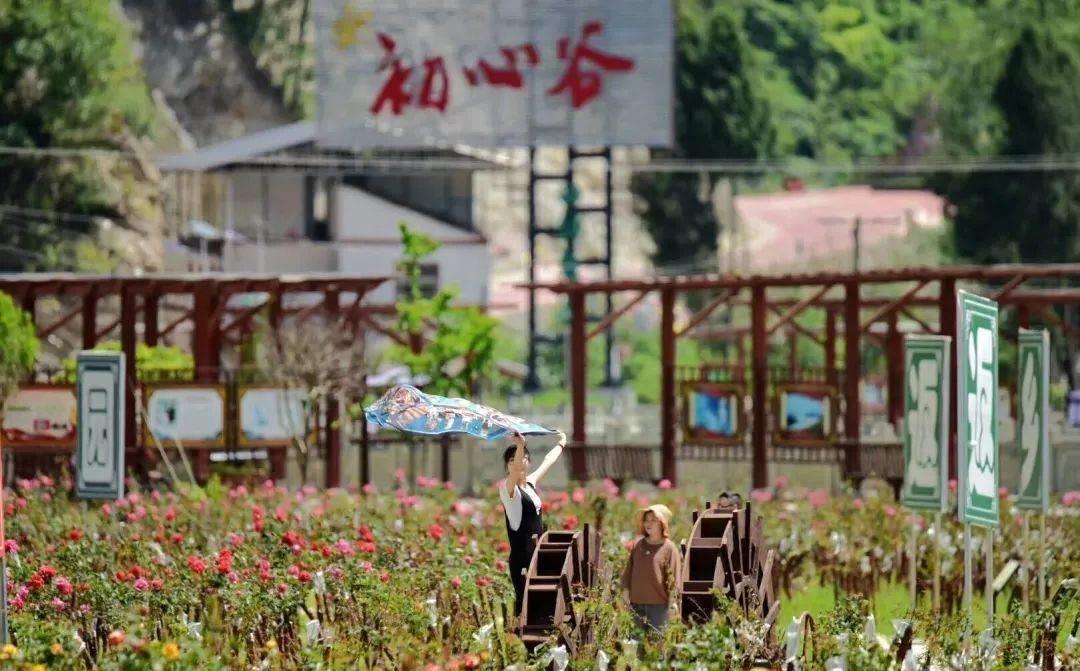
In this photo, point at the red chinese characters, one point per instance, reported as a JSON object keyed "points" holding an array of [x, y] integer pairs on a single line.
{"points": [[582, 78], [509, 74], [586, 85], [395, 93]]}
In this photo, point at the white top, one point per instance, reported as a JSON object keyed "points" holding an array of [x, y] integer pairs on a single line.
{"points": [[512, 504]]}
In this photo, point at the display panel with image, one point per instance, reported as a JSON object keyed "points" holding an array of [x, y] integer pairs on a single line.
{"points": [[712, 412], [804, 414]]}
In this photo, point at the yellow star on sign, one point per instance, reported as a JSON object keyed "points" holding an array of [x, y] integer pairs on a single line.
{"points": [[349, 24]]}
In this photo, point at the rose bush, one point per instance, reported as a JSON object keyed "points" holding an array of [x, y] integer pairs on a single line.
{"points": [[262, 577]]}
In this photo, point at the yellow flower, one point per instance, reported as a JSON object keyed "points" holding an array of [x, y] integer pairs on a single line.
{"points": [[171, 651], [8, 651], [56, 648], [37, 667], [271, 645]]}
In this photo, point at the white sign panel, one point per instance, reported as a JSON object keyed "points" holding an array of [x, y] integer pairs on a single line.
{"points": [[192, 416], [271, 416], [41, 416], [494, 73], [977, 409], [926, 429], [1034, 435], [99, 449]]}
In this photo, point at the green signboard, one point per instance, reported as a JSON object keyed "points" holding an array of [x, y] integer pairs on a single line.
{"points": [[1033, 434], [926, 422], [977, 409]]}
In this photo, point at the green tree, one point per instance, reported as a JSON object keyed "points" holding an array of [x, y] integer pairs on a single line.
{"points": [[1027, 216], [719, 113], [461, 351], [19, 345], [844, 80], [67, 78], [150, 361]]}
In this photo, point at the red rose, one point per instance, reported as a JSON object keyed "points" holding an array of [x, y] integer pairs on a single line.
{"points": [[75, 534], [224, 561], [503, 546], [47, 572], [116, 637], [195, 564], [436, 532]]}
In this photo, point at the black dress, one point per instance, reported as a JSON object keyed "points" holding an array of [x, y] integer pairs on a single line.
{"points": [[521, 543]]}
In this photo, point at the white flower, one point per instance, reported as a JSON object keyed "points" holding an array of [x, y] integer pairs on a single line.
{"points": [[602, 661], [483, 635], [313, 630]]}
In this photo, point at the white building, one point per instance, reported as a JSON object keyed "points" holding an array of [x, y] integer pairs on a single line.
{"points": [[284, 207]]}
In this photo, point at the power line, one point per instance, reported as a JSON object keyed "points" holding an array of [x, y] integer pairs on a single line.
{"points": [[1040, 163], [51, 214], [1025, 163]]}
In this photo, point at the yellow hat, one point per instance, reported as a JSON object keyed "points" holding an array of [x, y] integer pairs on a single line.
{"points": [[662, 513]]}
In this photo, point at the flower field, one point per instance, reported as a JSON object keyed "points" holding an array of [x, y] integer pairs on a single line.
{"points": [[259, 577]]}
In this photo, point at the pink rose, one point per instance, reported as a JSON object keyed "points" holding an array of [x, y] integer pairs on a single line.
{"points": [[665, 484], [818, 498]]}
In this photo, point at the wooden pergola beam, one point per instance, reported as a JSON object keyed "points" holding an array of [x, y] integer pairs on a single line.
{"points": [[1009, 287], [379, 328], [245, 316], [888, 308], [886, 276], [794, 310], [108, 329], [176, 322], [1049, 315], [59, 323], [614, 316], [906, 311], [703, 314], [798, 328]]}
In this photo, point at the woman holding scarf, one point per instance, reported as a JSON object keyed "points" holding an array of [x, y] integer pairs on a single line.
{"points": [[522, 507]]}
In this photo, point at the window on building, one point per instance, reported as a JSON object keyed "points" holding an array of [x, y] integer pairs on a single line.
{"points": [[429, 281]]}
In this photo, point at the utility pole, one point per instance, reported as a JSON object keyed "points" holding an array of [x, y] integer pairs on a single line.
{"points": [[856, 231]]}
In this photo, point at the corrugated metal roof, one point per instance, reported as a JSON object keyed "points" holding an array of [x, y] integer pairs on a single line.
{"points": [[303, 134], [249, 146]]}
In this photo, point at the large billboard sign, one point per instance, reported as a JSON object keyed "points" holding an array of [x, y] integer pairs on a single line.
{"points": [[494, 73]]}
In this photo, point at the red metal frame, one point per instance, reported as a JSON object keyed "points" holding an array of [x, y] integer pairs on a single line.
{"points": [[1005, 282]]}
